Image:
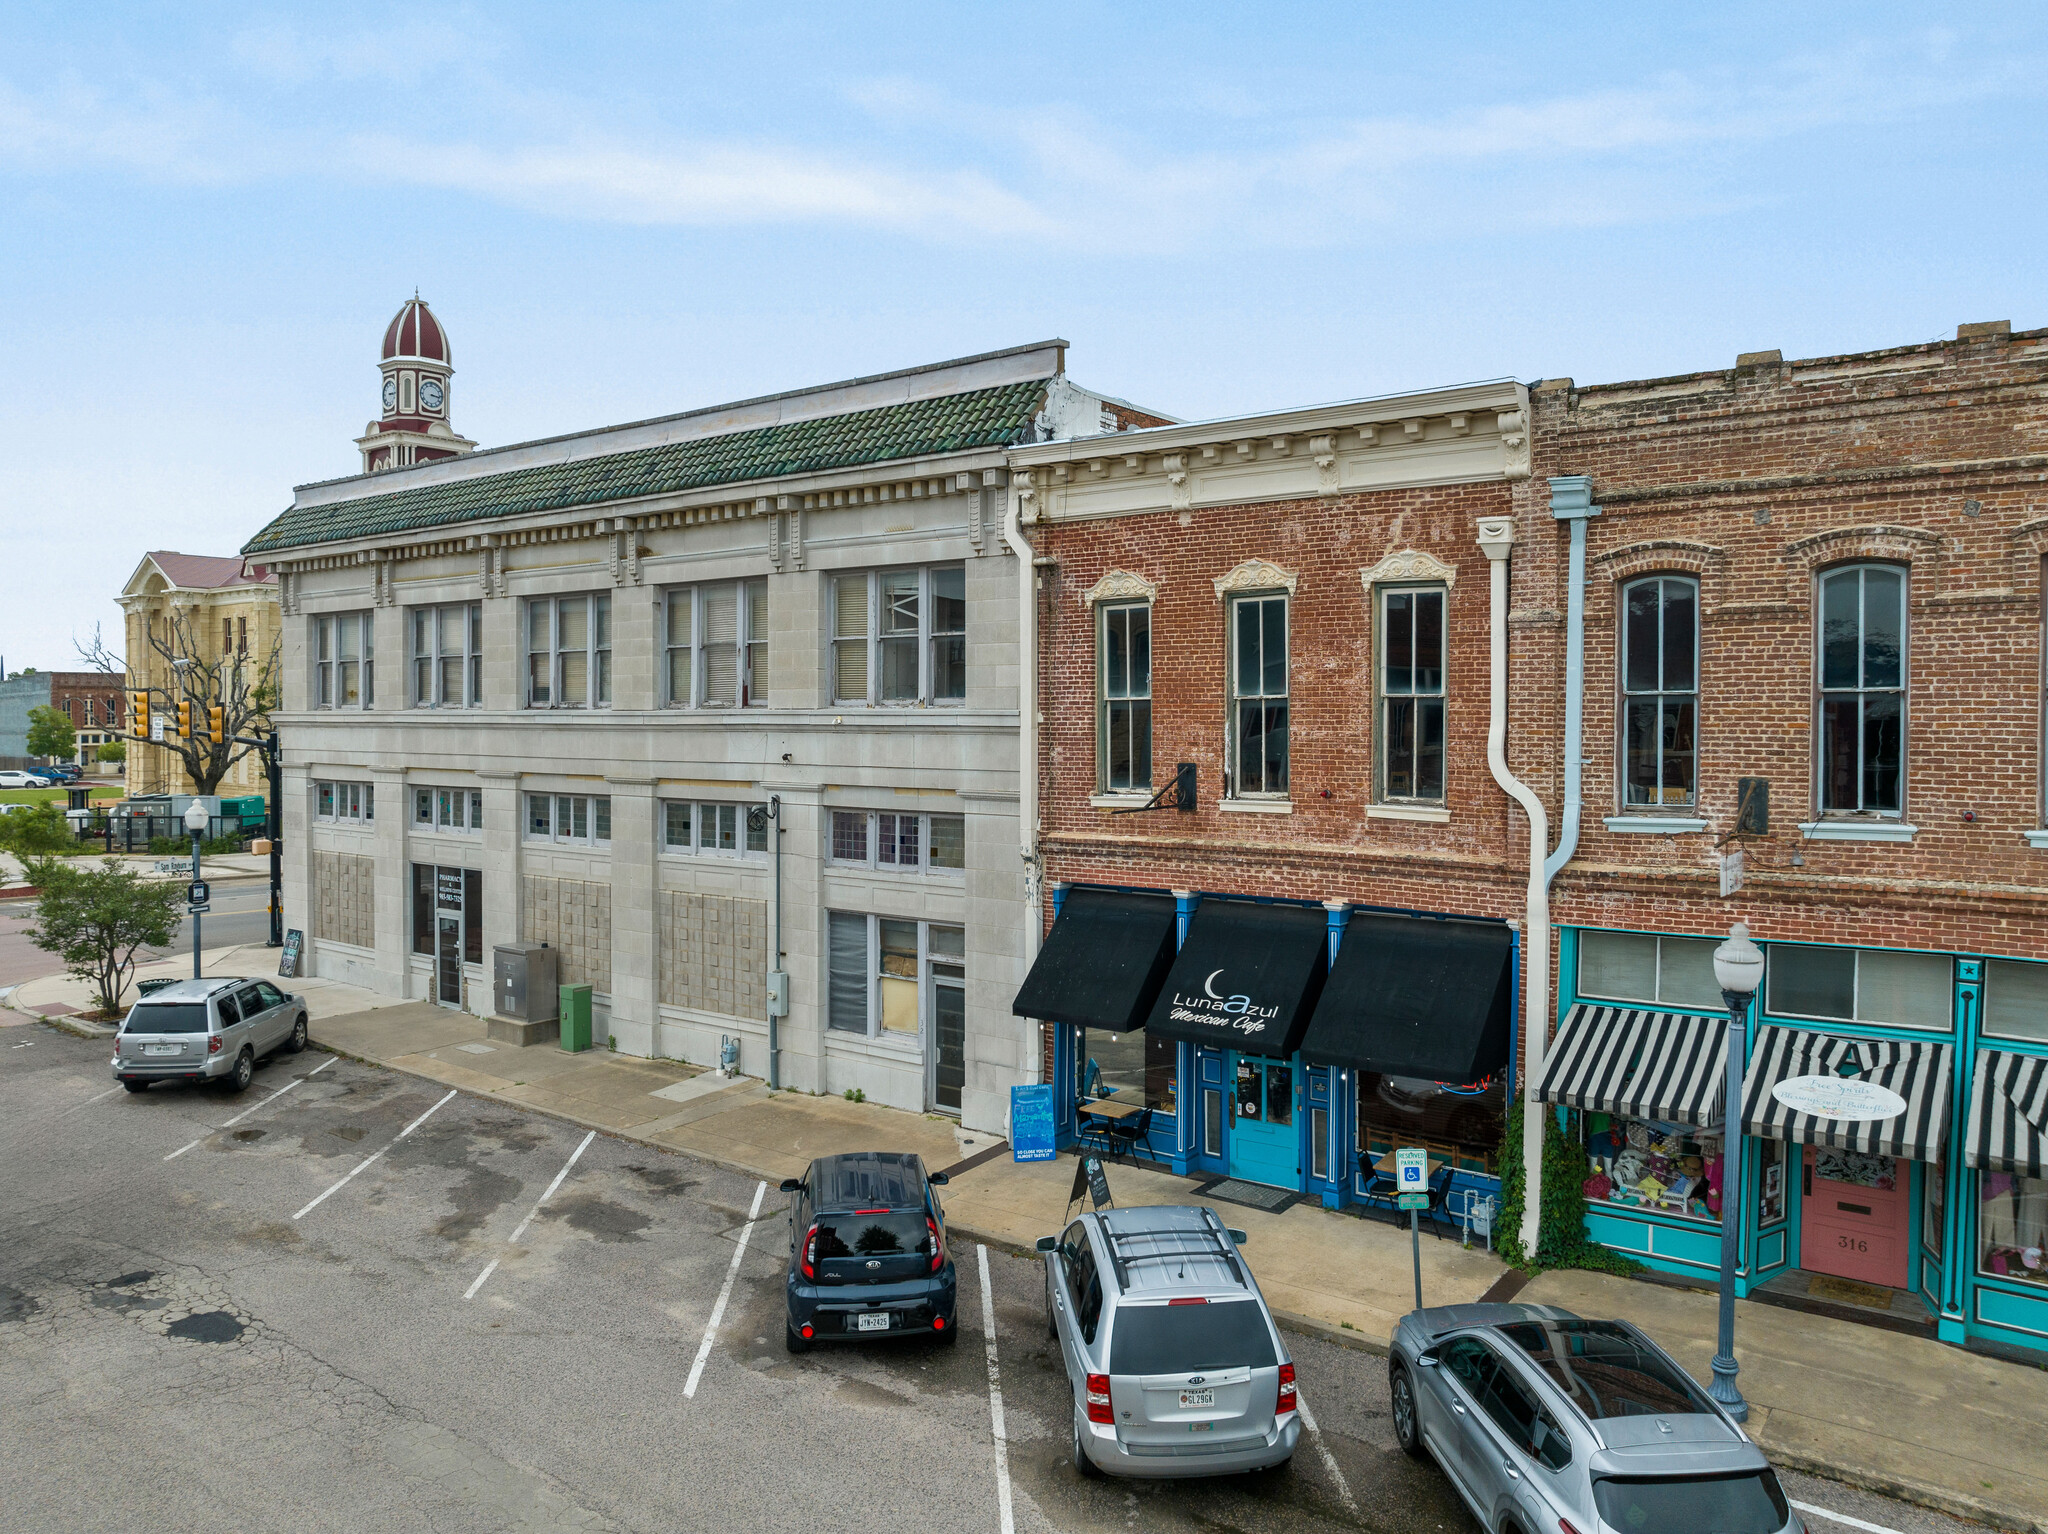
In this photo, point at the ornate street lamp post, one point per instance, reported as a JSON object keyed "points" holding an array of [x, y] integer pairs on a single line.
{"points": [[1738, 970], [195, 822]]}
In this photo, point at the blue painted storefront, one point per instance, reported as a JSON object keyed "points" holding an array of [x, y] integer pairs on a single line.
{"points": [[1316, 1155]]}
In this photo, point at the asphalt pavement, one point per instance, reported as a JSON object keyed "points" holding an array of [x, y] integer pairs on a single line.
{"points": [[352, 1299]]}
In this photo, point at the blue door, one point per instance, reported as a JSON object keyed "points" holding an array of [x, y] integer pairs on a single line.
{"points": [[1263, 1144]]}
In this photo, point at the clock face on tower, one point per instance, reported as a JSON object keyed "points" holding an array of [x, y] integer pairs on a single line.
{"points": [[430, 393], [390, 394]]}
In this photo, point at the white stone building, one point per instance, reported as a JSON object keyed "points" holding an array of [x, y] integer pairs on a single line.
{"points": [[550, 692]]}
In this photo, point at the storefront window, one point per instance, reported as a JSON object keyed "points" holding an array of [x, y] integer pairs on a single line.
{"points": [[1135, 1067], [1639, 966], [1934, 1193], [2012, 1224], [1670, 1169], [2016, 1000], [1461, 1124], [1770, 1186]]}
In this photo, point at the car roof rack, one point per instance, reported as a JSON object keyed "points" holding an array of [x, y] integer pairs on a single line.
{"points": [[1210, 1236]]}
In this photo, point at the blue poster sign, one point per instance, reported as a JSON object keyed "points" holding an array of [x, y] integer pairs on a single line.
{"points": [[1031, 1123]]}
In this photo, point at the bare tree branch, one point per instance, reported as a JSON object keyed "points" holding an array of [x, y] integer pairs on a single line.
{"points": [[245, 692], [95, 655]]}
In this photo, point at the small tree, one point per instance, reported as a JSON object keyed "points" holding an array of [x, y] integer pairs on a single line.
{"points": [[36, 832], [113, 751], [95, 919], [242, 685], [51, 733]]}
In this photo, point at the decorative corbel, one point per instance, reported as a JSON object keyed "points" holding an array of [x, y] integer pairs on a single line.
{"points": [[1514, 442], [1324, 450], [1412, 428], [1024, 486], [1181, 492]]}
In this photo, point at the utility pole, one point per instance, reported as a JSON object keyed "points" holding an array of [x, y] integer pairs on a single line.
{"points": [[273, 773]]}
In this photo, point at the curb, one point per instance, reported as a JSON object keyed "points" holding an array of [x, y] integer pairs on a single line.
{"points": [[1953, 1504]]}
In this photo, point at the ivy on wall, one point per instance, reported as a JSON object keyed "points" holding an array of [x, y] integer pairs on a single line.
{"points": [[1561, 1222]]}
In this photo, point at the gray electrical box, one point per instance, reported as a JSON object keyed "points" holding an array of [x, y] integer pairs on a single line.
{"points": [[524, 980], [778, 993]]}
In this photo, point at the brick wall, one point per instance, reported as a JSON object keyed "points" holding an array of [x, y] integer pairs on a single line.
{"points": [[1755, 480]]}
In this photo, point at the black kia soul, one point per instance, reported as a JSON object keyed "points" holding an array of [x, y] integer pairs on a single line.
{"points": [[867, 1254]]}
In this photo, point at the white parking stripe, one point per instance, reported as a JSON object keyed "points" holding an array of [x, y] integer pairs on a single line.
{"points": [[1842, 1518], [110, 1091], [725, 1293], [368, 1159], [231, 1123], [995, 1397], [1315, 1436], [492, 1266]]}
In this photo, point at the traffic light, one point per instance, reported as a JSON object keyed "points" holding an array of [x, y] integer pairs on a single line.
{"points": [[138, 714], [216, 724], [184, 719]]}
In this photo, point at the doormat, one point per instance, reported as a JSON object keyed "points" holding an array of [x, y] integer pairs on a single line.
{"points": [[1848, 1292], [1252, 1195]]}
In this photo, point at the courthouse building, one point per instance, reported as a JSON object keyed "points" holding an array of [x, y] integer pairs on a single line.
{"points": [[653, 693]]}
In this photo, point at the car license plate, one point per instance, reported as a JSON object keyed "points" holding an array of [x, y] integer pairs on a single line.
{"points": [[872, 1321], [163, 1049], [1201, 1427], [1197, 1398]]}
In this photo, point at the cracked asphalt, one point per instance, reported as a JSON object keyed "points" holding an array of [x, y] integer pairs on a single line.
{"points": [[184, 1345]]}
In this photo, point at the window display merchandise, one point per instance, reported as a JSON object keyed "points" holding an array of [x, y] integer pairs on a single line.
{"points": [[1673, 1169], [2012, 1223]]}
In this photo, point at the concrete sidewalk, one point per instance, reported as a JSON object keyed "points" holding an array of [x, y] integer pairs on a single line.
{"points": [[1898, 1414], [227, 868]]}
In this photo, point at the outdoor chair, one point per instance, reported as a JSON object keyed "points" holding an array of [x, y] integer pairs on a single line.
{"points": [[1129, 1133]]}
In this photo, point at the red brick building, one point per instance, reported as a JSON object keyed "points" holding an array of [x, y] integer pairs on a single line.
{"points": [[1297, 607]]}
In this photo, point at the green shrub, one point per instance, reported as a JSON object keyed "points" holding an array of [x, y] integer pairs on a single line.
{"points": [[1561, 1222], [38, 831]]}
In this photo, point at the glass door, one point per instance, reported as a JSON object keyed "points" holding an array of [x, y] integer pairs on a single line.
{"points": [[448, 961], [1264, 1146], [949, 1037]]}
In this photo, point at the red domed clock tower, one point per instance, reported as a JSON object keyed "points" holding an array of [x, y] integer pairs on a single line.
{"points": [[415, 363]]}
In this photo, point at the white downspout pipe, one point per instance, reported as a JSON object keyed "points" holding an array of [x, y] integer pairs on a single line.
{"points": [[1497, 541], [1027, 731], [1571, 500]]}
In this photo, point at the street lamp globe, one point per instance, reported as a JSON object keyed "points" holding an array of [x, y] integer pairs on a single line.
{"points": [[196, 818], [1739, 963]]}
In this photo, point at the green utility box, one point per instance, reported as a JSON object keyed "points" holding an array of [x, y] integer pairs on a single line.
{"points": [[247, 810], [575, 1015]]}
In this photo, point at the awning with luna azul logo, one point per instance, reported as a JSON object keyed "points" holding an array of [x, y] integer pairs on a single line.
{"points": [[1637, 1064], [1247, 977]]}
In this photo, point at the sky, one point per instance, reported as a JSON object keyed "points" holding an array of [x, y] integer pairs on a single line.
{"points": [[208, 214]]}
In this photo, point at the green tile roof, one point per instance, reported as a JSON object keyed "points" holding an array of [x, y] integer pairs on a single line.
{"points": [[994, 417]]}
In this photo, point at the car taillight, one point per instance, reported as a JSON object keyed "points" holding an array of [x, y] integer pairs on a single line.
{"points": [[807, 1330], [1098, 1399], [809, 1263], [1564, 1527], [938, 1251], [213, 1044], [1287, 1396]]}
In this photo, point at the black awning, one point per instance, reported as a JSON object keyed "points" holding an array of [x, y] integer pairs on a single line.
{"points": [[1246, 978], [1414, 996], [1102, 963]]}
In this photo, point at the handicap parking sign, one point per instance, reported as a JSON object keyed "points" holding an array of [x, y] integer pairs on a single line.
{"points": [[1411, 1171]]}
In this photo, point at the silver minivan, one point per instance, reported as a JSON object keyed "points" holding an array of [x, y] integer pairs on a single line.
{"points": [[206, 1030], [1175, 1364]]}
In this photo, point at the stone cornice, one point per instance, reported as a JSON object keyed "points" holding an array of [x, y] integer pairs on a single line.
{"points": [[1409, 565]]}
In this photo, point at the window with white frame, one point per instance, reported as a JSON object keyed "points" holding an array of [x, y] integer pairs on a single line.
{"points": [[1411, 652], [1659, 690], [448, 809], [569, 651], [447, 656], [1124, 705], [1860, 985], [900, 636], [345, 802], [583, 820], [1862, 689], [717, 644], [720, 830], [1257, 763], [344, 661], [895, 840], [880, 972]]}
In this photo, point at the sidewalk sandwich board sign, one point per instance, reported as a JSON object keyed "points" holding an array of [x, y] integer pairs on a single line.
{"points": [[288, 963], [1031, 1137], [1089, 1178]]}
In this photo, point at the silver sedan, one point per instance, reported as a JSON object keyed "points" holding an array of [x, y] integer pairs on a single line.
{"points": [[1543, 1421]]}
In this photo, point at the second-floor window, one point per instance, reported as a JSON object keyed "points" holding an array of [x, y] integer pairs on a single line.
{"points": [[900, 636], [718, 645], [579, 819], [448, 809], [1659, 690], [569, 652], [355, 802], [1411, 754], [733, 830], [447, 656], [344, 665], [906, 843], [1863, 689], [1258, 696], [1124, 723]]}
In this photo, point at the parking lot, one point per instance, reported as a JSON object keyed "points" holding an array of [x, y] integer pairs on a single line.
{"points": [[352, 1299]]}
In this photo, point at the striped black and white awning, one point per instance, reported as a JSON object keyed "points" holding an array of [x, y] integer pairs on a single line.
{"points": [[1667, 1066], [2008, 1114], [1917, 1070]]}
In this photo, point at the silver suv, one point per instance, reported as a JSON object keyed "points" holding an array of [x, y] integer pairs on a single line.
{"points": [[1176, 1366], [206, 1030], [1545, 1421]]}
